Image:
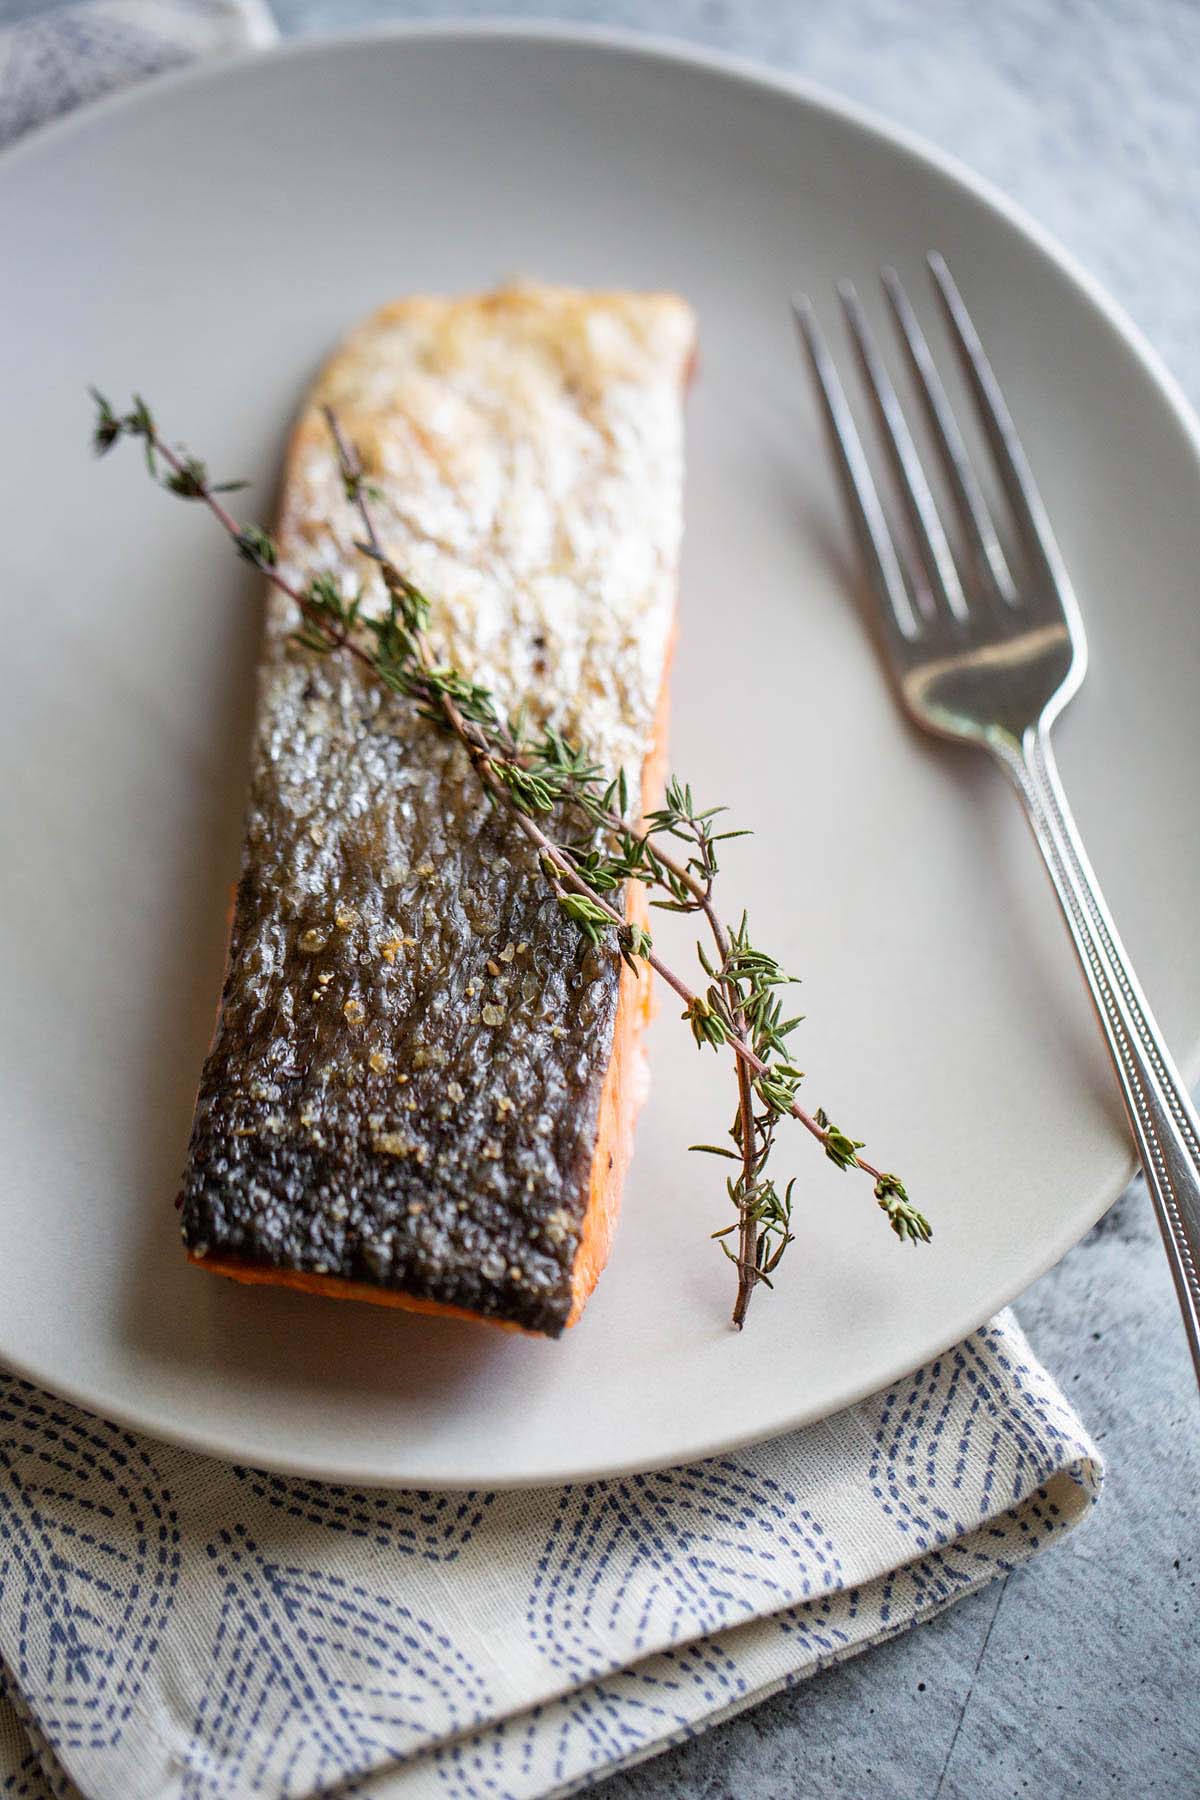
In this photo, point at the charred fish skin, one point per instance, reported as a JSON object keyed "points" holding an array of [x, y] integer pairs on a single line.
{"points": [[379, 1105], [406, 1082]]}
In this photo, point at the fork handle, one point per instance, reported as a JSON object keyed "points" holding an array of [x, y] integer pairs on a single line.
{"points": [[1165, 1124]]}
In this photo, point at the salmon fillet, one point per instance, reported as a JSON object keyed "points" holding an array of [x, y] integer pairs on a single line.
{"points": [[423, 1084]]}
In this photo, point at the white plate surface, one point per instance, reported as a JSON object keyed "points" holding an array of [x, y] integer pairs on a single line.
{"points": [[206, 240]]}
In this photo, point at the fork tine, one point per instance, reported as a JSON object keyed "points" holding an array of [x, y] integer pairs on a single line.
{"points": [[1015, 473], [975, 519], [862, 497], [935, 554]]}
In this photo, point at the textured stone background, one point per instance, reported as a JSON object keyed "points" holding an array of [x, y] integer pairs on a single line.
{"points": [[1078, 1675]]}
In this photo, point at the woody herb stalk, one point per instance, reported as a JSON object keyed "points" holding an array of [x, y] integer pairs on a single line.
{"points": [[588, 844]]}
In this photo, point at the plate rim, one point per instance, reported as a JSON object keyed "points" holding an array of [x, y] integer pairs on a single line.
{"points": [[817, 97], [651, 47]]}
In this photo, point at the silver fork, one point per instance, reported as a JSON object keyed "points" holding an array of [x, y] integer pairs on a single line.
{"points": [[987, 655]]}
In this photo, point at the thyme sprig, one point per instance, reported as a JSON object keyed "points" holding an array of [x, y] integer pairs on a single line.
{"points": [[588, 841]]}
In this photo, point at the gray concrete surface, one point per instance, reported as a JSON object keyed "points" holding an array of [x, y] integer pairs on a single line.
{"points": [[1077, 1675]]}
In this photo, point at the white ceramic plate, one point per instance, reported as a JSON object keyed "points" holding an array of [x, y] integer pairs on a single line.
{"points": [[206, 239]]}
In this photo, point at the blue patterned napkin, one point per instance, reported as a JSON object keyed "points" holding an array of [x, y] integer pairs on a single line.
{"points": [[175, 1627], [172, 1626]]}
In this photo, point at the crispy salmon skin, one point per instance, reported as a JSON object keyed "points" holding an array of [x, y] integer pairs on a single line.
{"points": [[423, 1084]]}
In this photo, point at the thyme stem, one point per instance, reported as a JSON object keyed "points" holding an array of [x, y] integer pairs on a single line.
{"points": [[739, 1009]]}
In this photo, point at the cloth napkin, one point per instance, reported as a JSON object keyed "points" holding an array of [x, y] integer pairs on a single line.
{"points": [[173, 1626]]}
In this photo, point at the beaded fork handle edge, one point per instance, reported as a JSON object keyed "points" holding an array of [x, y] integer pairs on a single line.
{"points": [[1161, 1114]]}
